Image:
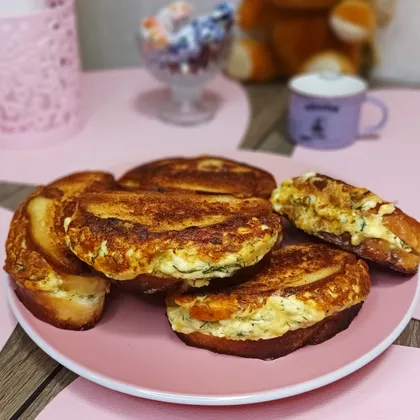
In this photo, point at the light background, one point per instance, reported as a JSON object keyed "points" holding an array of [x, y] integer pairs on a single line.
{"points": [[107, 30], [400, 44]]}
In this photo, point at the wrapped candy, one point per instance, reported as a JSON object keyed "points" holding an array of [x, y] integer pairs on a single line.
{"points": [[185, 42], [206, 30], [190, 39], [154, 32], [174, 15], [180, 38], [223, 13]]}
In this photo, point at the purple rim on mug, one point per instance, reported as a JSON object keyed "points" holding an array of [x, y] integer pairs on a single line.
{"points": [[325, 109]]}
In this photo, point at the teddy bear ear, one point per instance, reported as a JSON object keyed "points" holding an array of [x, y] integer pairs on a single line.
{"points": [[384, 11]]}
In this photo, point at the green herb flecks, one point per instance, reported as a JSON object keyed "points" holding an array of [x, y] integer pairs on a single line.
{"points": [[361, 222], [185, 271], [225, 269]]}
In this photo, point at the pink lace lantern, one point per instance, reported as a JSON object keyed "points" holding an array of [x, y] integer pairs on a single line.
{"points": [[40, 86]]}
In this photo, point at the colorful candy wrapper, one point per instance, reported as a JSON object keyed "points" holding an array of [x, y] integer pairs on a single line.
{"points": [[223, 13], [180, 10], [189, 40], [175, 15], [178, 38], [154, 32], [185, 42], [207, 30]]}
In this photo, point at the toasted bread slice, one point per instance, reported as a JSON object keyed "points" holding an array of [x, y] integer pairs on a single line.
{"points": [[306, 294], [275, 347], [51, 282], [203, 174], [180, 236], [352, 218]]}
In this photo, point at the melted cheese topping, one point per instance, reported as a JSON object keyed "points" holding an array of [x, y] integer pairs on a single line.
{"points": [[312, 214], [278, 316]]}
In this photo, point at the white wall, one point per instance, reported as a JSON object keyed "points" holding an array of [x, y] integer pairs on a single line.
{"points": [[400, 45], [107, 29]]}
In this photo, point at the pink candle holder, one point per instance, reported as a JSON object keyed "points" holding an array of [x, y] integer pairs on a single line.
{"points": [[40, 77]]}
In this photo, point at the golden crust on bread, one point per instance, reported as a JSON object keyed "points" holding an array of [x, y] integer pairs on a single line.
{"points": [[171, 235], [326, 277], [64, 310], [276, 347], [301, 287], [352, 218], [203, 174], [51, 282]]}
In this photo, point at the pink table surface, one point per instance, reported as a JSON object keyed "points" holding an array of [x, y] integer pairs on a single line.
{"points": [[121, 124], [7, 320], [387, 389], [388, 164]]}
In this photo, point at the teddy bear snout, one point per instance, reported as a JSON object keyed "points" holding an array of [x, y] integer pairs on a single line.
{"points": [[353, 21]]}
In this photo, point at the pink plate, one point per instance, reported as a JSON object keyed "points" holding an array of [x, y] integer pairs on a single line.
{"points": [[133, 349]]}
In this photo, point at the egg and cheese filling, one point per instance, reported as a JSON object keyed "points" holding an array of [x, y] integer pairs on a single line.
{"points": [[185, 265], [316, 214], [197, 283], [278, 316]]}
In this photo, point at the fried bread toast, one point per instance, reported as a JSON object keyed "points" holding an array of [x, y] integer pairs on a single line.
{"points": [[50, 281], [307, 294], [203, 174], [352, 218], [172, 235]]}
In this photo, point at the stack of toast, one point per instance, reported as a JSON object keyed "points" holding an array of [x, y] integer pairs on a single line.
{"points": [[208, 233]]}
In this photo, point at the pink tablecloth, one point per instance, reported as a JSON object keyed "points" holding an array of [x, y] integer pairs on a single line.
{"points": [[121, 124], [384, 390]]}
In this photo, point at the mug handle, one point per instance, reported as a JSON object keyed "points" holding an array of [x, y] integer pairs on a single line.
{"points": [[373, 129]]}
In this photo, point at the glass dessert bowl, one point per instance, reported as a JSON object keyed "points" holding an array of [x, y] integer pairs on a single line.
{"points": [[184, 53]]}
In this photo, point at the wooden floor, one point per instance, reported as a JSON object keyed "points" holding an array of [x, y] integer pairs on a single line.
{"points": [[29, 378]]}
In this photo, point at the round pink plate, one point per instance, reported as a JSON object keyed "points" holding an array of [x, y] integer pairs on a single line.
{"points": [[133, 349]]}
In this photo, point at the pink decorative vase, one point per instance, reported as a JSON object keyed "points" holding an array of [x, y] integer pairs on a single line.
{"points": [[40, 86]]}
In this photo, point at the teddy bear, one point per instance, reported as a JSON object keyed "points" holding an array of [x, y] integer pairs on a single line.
{"points": [[288, 37]]}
